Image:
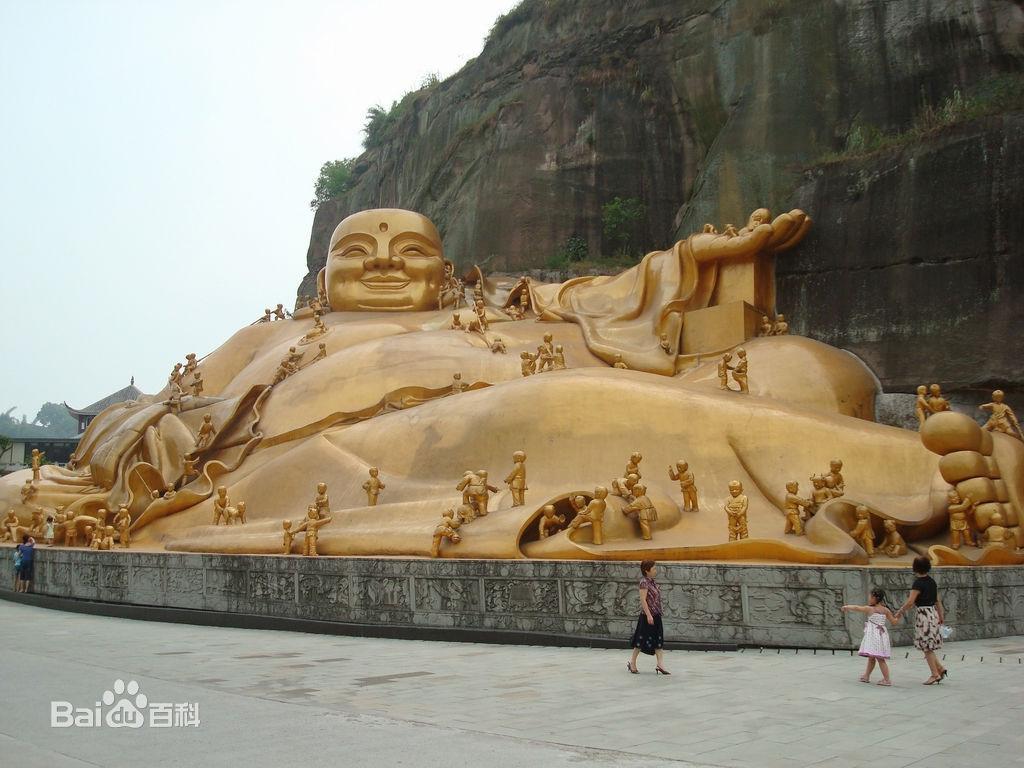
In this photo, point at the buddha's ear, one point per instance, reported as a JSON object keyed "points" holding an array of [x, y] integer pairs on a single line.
{"points": [[321, 283]]}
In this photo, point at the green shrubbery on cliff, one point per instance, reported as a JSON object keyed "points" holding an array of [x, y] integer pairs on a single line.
{"points": [[994, 96]]}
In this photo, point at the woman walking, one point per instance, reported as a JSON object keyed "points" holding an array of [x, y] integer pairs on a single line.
{"points": [[924, 593], [648, 636]]}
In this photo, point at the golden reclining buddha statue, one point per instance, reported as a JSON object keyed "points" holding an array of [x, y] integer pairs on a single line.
{"points": [[630, 371]]}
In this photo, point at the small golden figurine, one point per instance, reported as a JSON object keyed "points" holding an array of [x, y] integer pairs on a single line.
{"points": [[546, 354], [289, 537], [322, 504], [820, 495], [893, 544], [936, 402], [448, 528], [103, 538], [123, 521], [206, 434], [736, 511], [189, 467], [834, 479], [196, 385], [549, 522], [37, 461], [220, 505], [780, 327], [739, 373], [279, 313], [468, 481], [480, 491], [663, 342], [633, 467], [10, 525], [190, 364], [498, 346], [959, 520], [723, 371], [559, 364], [623, 486], [1003, 419], [373, 487], [862, 533], [267, 317], [516, 480], [314, 333], [321, 353], [456, 323], [921, 408], [529, 364], [175, 378], [236, 514], [642, 510], [457, 385], [996, 535], [593, 513], [619, 362], [687, 484], [766, 326], [479, 323], [311, 525], [28, 490], [793, 506]]}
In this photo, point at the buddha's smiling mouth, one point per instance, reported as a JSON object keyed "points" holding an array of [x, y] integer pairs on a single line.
{"points": [[385, 283]]}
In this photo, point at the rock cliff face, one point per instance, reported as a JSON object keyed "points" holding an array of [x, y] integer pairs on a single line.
{"points": [[704, 109]]}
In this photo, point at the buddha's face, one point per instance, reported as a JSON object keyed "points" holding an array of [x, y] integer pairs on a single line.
{"points": [[384, 260]]}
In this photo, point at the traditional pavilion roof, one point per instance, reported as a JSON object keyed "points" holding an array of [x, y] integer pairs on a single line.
{"points": [[131, 392]]}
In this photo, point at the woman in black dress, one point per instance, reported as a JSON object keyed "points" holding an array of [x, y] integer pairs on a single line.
{"points": [[924, 593], [648, 636]]}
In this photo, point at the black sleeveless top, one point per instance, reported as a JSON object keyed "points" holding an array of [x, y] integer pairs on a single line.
{"points": [[928, 591]]}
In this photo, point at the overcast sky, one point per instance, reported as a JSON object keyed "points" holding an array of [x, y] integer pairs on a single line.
{"points": [[157, 161]]}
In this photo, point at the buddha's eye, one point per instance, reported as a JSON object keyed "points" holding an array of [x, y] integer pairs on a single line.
{"points": [[413, 250], [354, 251]]}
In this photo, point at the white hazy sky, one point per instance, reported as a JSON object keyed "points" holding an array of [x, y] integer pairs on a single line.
{"points": [[157, 161]]}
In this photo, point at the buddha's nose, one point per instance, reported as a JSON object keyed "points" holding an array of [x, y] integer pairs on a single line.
{"points": [[383, 263]]}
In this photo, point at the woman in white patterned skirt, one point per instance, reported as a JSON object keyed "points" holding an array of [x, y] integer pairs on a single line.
{"points": [[924, 593]]}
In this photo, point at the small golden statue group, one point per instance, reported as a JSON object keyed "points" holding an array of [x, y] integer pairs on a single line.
{"points": [[778, 327], [224, 510], [549, 357], [738, 371], [863, 533], [273, 314], [963, 528], [289, 365], [519, 307], [66, 528], [478, 324], [317, 516], [318, 329], [629, 487], [799, 510], [182, 377], [929, 402]]}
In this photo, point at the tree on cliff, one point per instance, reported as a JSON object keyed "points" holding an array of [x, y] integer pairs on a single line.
{"points": [[334, 178], [619, 219]]}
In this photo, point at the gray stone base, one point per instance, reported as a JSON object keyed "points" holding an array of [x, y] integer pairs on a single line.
{"points": [[551, 601]]}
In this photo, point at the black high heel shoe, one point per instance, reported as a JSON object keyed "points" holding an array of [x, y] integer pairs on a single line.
{"points": [[632, 669], [945, 672], [661, 671]]}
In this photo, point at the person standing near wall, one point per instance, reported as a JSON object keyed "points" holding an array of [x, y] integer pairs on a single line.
{"points": [[25, 560], [648, 637], [924, 594]]}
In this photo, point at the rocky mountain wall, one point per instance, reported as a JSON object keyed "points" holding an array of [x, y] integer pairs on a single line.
{"points": [[705, 109]]}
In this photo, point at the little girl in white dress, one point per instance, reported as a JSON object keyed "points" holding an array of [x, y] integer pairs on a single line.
{"points": [[876, 645]]}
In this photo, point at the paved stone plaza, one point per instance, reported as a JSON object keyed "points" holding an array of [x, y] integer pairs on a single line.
{"points": [[268, 698]]}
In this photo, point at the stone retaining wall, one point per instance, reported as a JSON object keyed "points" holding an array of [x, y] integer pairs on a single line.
{"points": [[755, 605]]}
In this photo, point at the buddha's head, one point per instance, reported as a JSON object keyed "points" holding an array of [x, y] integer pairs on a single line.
{"points": [[383, 260]]}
